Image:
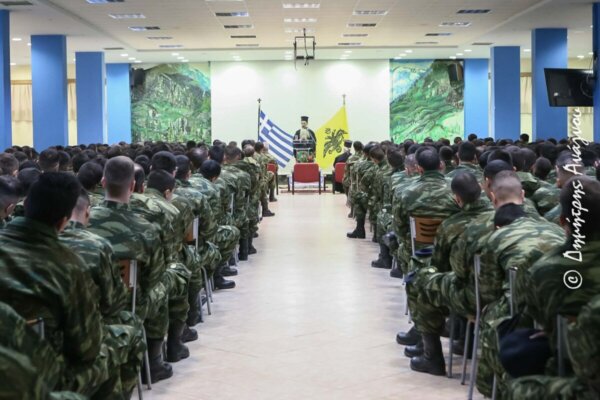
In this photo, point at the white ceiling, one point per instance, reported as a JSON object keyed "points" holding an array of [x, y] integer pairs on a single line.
{"points": [[193, 25]]}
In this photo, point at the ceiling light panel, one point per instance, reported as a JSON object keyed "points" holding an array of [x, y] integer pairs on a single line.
{"points": [[298, 20], [350, 44], [243, 36], [144, 28], [361, 25], [474, 11], [244, 26], [453, 24], [290, 30], [127, 16], [15, 3], [301, 5], [438, 34], [232, 14], [369, 12], [355, 35], [104, 1], [159, 37]]}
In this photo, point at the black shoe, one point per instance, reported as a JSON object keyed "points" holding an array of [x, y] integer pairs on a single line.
{"points": [[251, 248], [356, 234], [268, 213], [396, 273], [384, 260], [228, 271], [432, 361], [243, 254], [222, 283], [176, 350], [380, 264], [272, 198], [255, 235], [409, 338], [189, 334], [159, 370], [414, 351], [231, 261]]}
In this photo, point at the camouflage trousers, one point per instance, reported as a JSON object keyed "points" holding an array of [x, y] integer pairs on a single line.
{"points": [[253, 215], [489, 364], [271, 183], [404, 253], [412, 292], [226, 239], [206, 257], [360, 205], [438, 294], [373, 212], [384, 222], [543, 387]]}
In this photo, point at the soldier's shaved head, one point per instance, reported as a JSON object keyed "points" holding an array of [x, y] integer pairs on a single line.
{"points": [[248, 150], [466, 187], [395, 158], [232, 154], [567, 167], [377, 153], [118, 176], [52, 198], [428, 158], [506, 188], [165, 161], [197, 156], [139, 175], [183, 167], [410, 164]]}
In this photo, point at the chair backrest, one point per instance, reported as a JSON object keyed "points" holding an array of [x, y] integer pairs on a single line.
{"points": [[512, 278], [191, 234], [340, 169], [424, 229], [306, 172], [272, 167], [128, 272], [477, 270]]}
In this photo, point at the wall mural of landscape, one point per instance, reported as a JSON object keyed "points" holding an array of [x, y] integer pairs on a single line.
{"points": [[172, 104], [425, 101]]}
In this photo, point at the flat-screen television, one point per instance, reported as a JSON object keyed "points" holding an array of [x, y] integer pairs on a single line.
{"points": [[570, 87]]}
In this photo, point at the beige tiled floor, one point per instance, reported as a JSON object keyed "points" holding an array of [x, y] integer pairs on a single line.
{"points": [[309, 319]]}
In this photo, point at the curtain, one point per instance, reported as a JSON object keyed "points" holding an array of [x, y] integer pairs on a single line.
{"points": [[22, 102]]}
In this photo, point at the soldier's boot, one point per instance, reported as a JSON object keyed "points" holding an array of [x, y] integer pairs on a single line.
{"points": [[409, 338], [432, 361], [194, 316], [189, 334], [231, 261], [374, 238], [272, 195], [176, 350], [251, 248], [265, 208], [396, 272], [220, 282], [359, 231], [243, 254], [384, 260], [228, 271], [414, 351], [159, 369]]}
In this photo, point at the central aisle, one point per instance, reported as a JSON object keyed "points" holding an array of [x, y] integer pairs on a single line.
{"points": [[309, 319]]}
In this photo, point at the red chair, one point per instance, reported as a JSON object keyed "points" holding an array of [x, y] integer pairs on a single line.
{"points": [[306, 173], [338, 175], [274, 168]]}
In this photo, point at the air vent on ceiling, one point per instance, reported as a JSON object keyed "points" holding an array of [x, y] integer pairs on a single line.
{"points": [[246, 45], [104, 1], [127, 16], [144, 28], [232, 14], [350, 44], [15, 3], [483, 44], [170, 46], [454, 24], [159, 37], [370, 12], [473, 11], [426, 42], [113, 48], [243, 36], [438, 34], [355, 35], [247, 26], [361, 25]]}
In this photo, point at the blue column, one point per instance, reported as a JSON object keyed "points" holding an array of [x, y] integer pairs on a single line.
{"points": [[5, 117], [548, 50], [119, 103], [49, 90], [90, 75], [596, 46], [477, 104], [506, 96]]}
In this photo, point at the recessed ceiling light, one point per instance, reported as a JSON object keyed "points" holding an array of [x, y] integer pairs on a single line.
{"points": [[361, 25], [290, 30], [397, 58], [13, 64], [137, 61], [301, 5], [408, 51], [459, 54], [28, 44], [453, 24], [243, 26], [355, 35], [403, 55], [468, 50], [369, 12], [131, 58], [347, 51], [174, 54], [232, 14], [527, 50], [124, 55], [104, 1], [452, 57], [296, 20], [144, 28], [591, 53], [127, 16], [16, 39], [580, 56], [438, 34], [186, 60], [181, 58], [473, 11]]}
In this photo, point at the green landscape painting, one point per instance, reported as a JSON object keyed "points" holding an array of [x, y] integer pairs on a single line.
{"points": [[424, 101], [173, 104]]}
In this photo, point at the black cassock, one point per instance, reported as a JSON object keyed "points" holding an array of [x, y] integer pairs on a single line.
{"points": [[312, 135]]}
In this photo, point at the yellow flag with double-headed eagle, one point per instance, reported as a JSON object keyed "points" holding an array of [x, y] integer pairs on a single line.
{"points": [[330, 139]]}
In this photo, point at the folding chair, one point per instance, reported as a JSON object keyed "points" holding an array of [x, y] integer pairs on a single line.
{"points": [[191, 238], [129, 275], [338, 174], [274, 168], [306, 173]]}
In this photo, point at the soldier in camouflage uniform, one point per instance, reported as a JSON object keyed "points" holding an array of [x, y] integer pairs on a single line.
{"points": [[350, 163], [547, 295], [134, 238], [467, 156], [566, 167], [271, 178], [10, 189], [41, 278], [363, 173], [435, 304], [252, 167], [429, 196], [382, 172], [125, 329]]}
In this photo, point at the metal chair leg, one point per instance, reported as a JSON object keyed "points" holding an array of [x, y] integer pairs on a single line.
{"points": [[147, 363], [208, 292], [494, 388], [473, 362], [451, 346], [139, 386], [465, 355], [211, 287]]}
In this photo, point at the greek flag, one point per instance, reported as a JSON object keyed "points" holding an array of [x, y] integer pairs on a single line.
{"points": [[280, 142]]}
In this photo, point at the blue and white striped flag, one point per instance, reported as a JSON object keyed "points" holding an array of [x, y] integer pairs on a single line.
{"points": [[281, 144]]}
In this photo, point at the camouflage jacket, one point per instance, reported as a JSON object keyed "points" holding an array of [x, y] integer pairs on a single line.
{"points": [[132, 238], [228, 190], [243, 185], [529, 182], [554, 214], [518, 245], [383, 171], [428, 196], [97, 253], [211, 192], [448, 167], [466, 167], [207, 223], [451, 229], [546, 197], [403, 181], [350, 163], [252, 168], [42, 278], [583, 344], [390, 181]]}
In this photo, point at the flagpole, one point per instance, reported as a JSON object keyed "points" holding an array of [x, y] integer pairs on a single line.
{"points": [[258, 124], [344, 100]]}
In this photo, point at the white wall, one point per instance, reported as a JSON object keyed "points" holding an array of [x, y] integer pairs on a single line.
{"points": [[287, 94]]}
